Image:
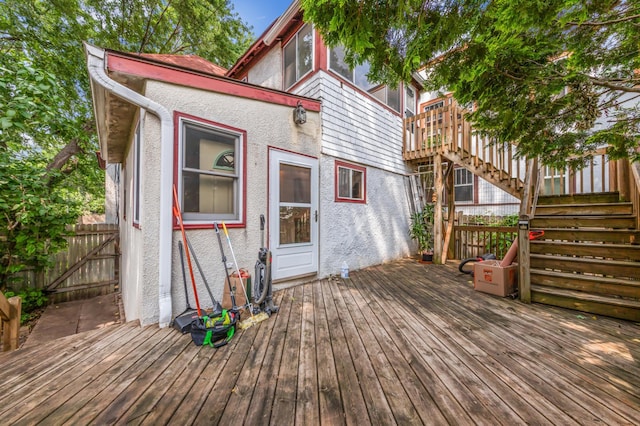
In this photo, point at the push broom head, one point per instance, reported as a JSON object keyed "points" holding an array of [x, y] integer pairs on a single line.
{"points": [[253, 320]]}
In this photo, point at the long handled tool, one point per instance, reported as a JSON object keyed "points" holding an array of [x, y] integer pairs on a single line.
{"points": [[177, 213], [217, 308], [232, 293], [254, 319], [182, 322]]}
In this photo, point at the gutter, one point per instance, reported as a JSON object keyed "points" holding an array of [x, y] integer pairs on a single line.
{"points": [[96, 64], [273, 33]]}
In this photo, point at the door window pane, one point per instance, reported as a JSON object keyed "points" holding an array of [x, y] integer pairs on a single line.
{"points": [[295, 184], [295, 225]]}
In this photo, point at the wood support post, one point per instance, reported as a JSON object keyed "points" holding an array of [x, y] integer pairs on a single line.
{"points": [[10, 312], [524, 277], [623, 178], [447, 251], [437, 223]]}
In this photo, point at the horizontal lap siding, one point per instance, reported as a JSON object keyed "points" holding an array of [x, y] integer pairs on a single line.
{"points": [[355, 127]]}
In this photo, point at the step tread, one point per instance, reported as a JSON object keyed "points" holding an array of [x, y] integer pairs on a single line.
{"points": [[618, 301], [588, 260], [585, 244], [552, 199], [570, 275]]}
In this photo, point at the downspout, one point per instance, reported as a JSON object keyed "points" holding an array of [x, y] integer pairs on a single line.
{"points": [[96, 63]]}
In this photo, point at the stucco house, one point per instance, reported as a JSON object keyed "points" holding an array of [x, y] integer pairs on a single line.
{"points": [[333, 189]]}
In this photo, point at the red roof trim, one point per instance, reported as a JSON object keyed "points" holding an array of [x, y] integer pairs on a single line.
{"points": [[142, 68]]}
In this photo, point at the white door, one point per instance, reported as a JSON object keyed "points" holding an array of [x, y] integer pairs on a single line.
{"points": [[293, 214]]}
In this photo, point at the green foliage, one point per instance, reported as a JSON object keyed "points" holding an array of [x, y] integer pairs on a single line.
{"points": [[48, 169], [34, 217], [557, 78], [32, 300], [421, 228]]}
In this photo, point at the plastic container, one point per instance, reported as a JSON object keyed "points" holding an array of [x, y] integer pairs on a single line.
{"points": [[344, 272]]}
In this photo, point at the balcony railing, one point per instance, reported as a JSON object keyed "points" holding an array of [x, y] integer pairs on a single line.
{"points": [[444, 130]]}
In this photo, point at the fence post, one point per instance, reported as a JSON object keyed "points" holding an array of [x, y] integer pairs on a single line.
{"points": [[524, 278], [11, 312]]}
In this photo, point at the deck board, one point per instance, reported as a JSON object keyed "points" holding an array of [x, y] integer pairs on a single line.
{"points": [[400, 343]]}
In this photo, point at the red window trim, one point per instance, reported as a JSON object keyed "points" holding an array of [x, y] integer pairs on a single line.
{"points": [[177, 116], [346, 165]]}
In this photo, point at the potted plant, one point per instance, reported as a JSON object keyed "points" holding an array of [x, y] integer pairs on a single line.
{"points": [[421, 230]]}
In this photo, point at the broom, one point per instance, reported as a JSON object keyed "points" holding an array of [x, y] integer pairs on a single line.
{"points": [[253, 319]]}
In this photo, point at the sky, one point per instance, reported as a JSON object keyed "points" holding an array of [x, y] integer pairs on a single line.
{"points": [[260, 13]]}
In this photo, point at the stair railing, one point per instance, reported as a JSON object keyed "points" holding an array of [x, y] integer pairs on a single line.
{"points": [[444, 130]]}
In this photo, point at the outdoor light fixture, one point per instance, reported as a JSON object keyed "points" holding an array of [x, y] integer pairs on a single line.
{"points": [[299, 114]]}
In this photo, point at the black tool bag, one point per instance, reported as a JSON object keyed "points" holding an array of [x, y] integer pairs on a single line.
{"points": [[214, 331]]}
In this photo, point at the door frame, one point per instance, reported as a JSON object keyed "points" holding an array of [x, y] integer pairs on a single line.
{"points": [[273, 216]]}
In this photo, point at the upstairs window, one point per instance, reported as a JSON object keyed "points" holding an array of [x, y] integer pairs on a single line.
{"points": [[298, 56], [351, 183], [409, 101], [358, 76], [211, 173]]}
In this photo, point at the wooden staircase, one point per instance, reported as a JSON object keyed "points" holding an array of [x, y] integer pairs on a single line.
{"points": [[445, 132], [589, 256]]}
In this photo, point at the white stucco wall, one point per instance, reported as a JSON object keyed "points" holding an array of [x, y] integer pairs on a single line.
{"points": [[363, 234], [268, 71], [358, 130], [266, 125], [130, 244]]}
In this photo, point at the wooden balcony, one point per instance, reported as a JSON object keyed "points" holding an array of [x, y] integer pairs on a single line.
{"points": [[445, 131], [401, 343]]}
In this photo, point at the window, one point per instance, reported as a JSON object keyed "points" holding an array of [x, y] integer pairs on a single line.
{"points": [[388, 96], [136, 175], [463, 186], [351, 183], [211, 173], [409, 101], [298, 56], [358, 76]]}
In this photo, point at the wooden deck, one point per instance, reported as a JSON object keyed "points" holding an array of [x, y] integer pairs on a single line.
{"points": [[402, 343]]}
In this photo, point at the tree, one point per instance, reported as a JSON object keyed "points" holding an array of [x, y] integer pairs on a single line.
{"points": [[557, 78], [48, 169]]}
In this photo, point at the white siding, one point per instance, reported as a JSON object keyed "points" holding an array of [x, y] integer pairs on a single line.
{"points": [[355, 127]]}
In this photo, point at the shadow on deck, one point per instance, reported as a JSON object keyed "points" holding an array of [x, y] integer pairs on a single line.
{"points": [[399, 343]]}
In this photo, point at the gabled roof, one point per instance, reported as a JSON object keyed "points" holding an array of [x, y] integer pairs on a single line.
{"points": [[114, 115], [291, 16]]}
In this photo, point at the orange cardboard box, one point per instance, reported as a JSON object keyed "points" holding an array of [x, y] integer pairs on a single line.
{"points": [[490, 277]]}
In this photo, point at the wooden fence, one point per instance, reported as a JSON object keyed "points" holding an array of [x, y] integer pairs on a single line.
{"points": [[473, 241], [89, 267]]}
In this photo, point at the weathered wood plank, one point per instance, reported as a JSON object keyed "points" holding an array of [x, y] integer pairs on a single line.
{"points": [[260, 409], [568, 361], [40, 374], [284, 403], [355, 408], [307, 399], [330, 403], [240, 397], [59, 399]]}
